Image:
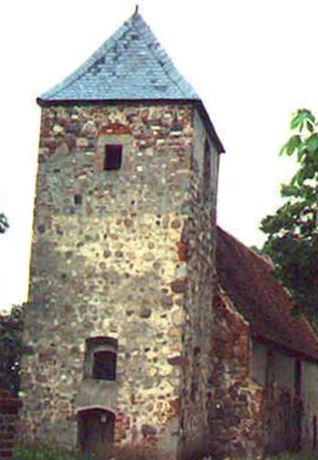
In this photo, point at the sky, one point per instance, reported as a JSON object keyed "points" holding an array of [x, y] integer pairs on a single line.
{"points": [[253, 62]]}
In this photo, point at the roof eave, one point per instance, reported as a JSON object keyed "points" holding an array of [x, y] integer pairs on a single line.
{"points": [[196, 102], [284, 349]]}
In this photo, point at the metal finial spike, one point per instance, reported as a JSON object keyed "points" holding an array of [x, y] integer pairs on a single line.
{"points": [[136, 9]]}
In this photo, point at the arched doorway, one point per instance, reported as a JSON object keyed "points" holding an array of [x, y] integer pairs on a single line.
{"points": [[96, 429]]}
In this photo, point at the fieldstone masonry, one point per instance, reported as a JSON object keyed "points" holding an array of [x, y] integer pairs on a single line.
{"points": [[124, 254]]}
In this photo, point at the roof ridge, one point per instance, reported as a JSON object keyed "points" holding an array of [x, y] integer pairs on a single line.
{"points": [[165, 55]]}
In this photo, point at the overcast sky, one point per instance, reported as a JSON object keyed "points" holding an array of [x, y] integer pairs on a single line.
{"points": [[253, 62]]}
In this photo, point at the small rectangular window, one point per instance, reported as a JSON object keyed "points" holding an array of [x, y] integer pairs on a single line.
{"points": [[113, 157], [78, 199], [104, 365]]}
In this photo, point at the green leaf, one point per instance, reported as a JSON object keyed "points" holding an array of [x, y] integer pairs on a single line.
{"points": [[312, 143], [302, 116], [4, 225], [292, 232], [292, 145]]}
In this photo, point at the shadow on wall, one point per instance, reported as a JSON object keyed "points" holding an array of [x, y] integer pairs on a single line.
{"points": [[9, 410]]}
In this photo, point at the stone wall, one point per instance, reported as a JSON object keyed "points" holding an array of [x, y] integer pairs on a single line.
{"points": [[199, 240], [9, 409], [109, 258], [236, 401]]}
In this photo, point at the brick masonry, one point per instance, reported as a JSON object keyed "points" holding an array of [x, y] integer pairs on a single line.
{"points": [[9, 410], [255, 408], [236, 406]]}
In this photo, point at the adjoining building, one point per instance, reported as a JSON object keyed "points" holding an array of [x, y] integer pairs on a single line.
{"points": [[265, 372], [132, 338]]}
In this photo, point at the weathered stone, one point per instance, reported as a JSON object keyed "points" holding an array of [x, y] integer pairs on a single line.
{"points": [[82, 142], [41, 228], [178, 361], [182, 251], [176, 223], [167, 301], [178, 286], [145, 312], [148, 430], [177, 317]]}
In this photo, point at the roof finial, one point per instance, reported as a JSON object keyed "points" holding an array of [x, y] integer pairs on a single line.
{"points": [[136, 9]]}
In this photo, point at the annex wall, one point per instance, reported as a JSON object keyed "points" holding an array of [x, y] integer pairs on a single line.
{"points": [[310, 406], [236, 400]]}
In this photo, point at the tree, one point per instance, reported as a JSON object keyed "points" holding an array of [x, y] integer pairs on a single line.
{"points": [[292, 232], [3, 223], [11, 348]]}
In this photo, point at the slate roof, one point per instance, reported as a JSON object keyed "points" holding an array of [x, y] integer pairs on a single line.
{"points": [[248, 281], [130, 66]]}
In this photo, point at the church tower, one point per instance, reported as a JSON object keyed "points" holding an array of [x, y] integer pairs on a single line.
{"points": [[118, 324]]}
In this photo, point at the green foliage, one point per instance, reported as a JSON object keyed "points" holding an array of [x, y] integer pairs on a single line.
{"points": [[4, 225], [290, 456], [54, 454], [41, 452], [11, 348], [46, 454], [292, 233]]}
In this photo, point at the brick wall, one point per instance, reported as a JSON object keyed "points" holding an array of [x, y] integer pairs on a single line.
{"points": [[236, 409], [9, 407]]}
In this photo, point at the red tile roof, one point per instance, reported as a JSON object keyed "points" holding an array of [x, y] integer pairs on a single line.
{"points": [[249, 282]]}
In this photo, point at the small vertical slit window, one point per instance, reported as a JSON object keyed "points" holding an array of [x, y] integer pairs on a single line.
{"points": [[206, 171], [113, 157], [104, 365], [78, 199]]}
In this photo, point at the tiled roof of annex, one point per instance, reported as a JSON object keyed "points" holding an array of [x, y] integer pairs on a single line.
{"points": [[248, 281]]}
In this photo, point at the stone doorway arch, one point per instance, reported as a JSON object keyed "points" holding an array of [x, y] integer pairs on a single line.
{"points": [[96, 429]]}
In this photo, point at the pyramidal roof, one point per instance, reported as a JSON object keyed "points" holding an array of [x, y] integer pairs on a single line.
{"points": [[130, 66]]}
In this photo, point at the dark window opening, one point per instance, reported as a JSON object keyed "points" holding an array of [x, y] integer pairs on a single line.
{"points": [[314, 432], [298, 377], [78, 198], [96, 431], [113, 157], [104, 365]]}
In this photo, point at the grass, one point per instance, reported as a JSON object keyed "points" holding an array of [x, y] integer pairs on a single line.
{"points": [[288, 456], [45, 453], [123, 454]]}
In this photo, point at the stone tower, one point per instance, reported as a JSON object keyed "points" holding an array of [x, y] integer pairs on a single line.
{"points": [[117, 328]]}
